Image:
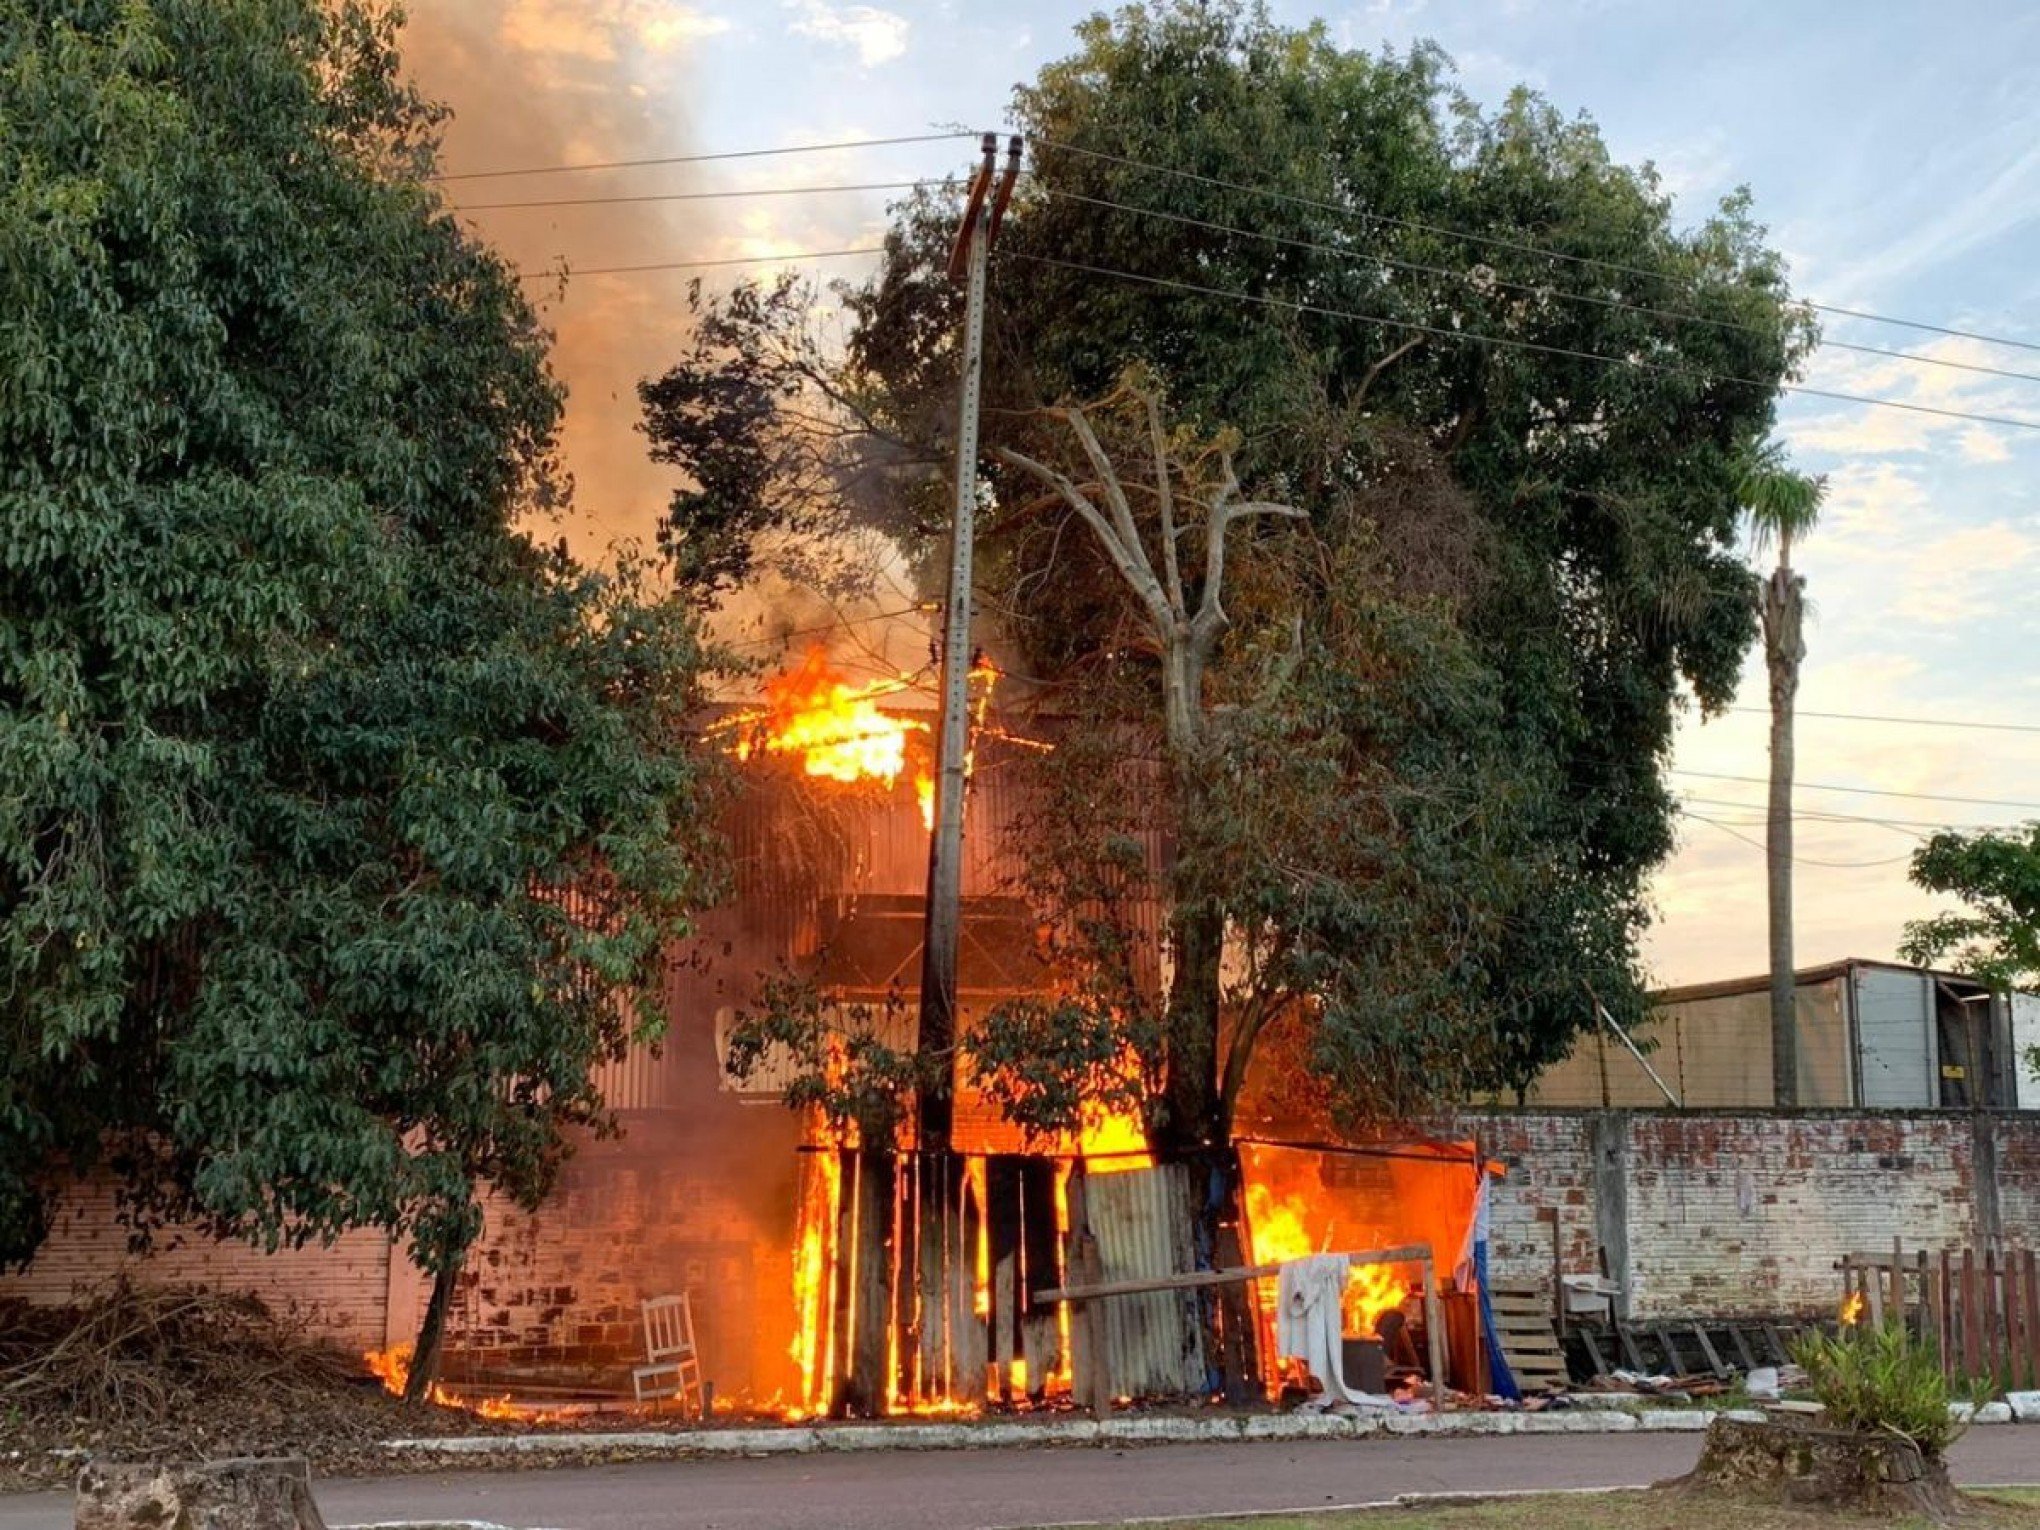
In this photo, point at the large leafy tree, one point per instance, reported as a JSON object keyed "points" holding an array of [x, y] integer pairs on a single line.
{"points": [[1512, 403], [1307, 244], [343, 825]]}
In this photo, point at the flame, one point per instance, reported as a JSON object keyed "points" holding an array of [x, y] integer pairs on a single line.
{"points": [[1852, 1309], [392, 1367], [838, 732], [834, 729], [818, 1212], [1277, 1232]]}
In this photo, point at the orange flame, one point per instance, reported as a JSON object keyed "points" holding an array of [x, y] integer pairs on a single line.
{"points": [[818, 1211], [835, 729], [392, 1367], [838, 732], [1278, 1233], [1852, 1309]]}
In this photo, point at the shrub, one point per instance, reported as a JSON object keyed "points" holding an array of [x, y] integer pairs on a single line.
{"points": [[1880, 1380]]}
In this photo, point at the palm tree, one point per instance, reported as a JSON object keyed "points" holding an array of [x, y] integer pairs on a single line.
{"points": [[1782, 505]]}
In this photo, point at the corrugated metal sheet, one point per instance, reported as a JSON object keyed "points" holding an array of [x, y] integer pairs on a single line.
{"points": [[2025, 1024], [1713, 1046], [1153, 1341], [1897, 1048]]}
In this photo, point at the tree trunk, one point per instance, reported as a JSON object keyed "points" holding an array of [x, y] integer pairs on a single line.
{"points": [[431, 1336], [1784, 650], [1192, 1116]]}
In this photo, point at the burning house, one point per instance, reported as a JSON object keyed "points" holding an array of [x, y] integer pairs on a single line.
{"points": [[823, 1278]]}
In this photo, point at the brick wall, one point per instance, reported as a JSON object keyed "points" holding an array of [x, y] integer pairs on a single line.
{"points": [[1747, 1212], [680, 1203], [1702, 1211], [342, 1289]]}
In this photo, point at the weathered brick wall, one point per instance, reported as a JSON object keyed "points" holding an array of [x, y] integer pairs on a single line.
{"points": [[1750, 1214], [1747, 1212], [2017, 1141], [342, 1289], [1549, 1182], [678, 1204]]}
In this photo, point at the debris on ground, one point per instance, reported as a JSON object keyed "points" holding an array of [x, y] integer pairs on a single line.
{"points": [[139, 1372]]}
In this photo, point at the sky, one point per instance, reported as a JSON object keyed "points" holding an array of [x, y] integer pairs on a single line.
{"points": [[1893, 150]]}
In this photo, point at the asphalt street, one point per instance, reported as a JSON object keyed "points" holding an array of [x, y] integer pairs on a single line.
{"points": [[1007, 1489]]}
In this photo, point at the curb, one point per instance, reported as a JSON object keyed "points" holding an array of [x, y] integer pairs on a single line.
{"points": [[1126, 1430]]}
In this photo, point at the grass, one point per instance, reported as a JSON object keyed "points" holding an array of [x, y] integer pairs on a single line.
{"points": [[2011, 1510]]}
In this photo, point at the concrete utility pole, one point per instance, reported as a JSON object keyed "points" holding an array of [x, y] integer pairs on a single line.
{"points": [[944, 915]]}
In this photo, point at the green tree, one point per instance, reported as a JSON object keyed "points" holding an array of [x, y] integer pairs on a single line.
{"points": [[343, 827], [1782, 506], [1337, 241], [1996, 939], [1527, 463]]}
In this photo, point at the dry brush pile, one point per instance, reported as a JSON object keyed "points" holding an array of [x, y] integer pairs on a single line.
{"points": [[139, 1372]]}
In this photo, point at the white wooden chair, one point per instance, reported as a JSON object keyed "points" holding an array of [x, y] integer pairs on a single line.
{"points": [[673, 1366]]}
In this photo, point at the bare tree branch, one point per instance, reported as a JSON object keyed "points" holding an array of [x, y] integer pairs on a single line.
{"points": [[1165, 501], [1131, 561]]}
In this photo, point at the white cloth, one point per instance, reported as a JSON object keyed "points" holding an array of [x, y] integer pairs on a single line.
{"points": [[1476, 1234], [1309, 1295]]}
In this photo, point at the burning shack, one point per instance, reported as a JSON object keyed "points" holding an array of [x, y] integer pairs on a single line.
{"points": [[823, 1278]]}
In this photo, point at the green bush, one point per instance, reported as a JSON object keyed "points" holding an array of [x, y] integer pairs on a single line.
{"points": [[1880, 1379]]}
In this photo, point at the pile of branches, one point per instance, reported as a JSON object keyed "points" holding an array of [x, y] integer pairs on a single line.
{"points": [[152, 1371], [137, 1355]]}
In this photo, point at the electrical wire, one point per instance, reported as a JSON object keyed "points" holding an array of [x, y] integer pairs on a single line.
{"points": [[1296, 305], [835, 626], [954, 134], [1798, 860], [1911, 722], [1931, 825], [1496, 242], [703, 159], [1863, 791], [790, 257], [1472, 278], [694, 196]]}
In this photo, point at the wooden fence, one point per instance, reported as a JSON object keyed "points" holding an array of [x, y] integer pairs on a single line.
{"points": [[1981, 1310]]}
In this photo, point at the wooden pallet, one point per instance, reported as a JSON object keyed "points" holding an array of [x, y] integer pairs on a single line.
{"points": [[1529, 1344], [1684, 1347]]}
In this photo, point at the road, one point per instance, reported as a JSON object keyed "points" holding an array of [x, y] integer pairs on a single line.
{"points": [[1005, 1489]]}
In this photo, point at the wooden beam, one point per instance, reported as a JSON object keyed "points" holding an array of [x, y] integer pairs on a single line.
{"points": [[1434, 1329], [1409, 1254]]}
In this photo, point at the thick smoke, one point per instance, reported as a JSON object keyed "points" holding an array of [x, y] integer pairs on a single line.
{"points": [[549, 82]]}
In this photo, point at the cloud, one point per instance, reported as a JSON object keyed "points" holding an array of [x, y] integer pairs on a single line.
{"points": [[1870, 507], [1981, 444], [1859, 429], [601, 31], [878, 36]]}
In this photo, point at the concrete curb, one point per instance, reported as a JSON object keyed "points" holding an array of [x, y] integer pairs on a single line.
{"points": [[1127, 1429]]}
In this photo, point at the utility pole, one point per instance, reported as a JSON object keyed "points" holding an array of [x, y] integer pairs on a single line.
{"points": [[983, 210]]}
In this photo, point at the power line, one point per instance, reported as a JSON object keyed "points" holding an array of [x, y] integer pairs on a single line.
{"points": [[1760, 816], [1865, 791], [838, 625], [697, 265], [1472, 279], [1932, 825], [1912, 722], [1472, 336], [700, 159], [692, 196], [1799, 860], [1496, 242]]}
